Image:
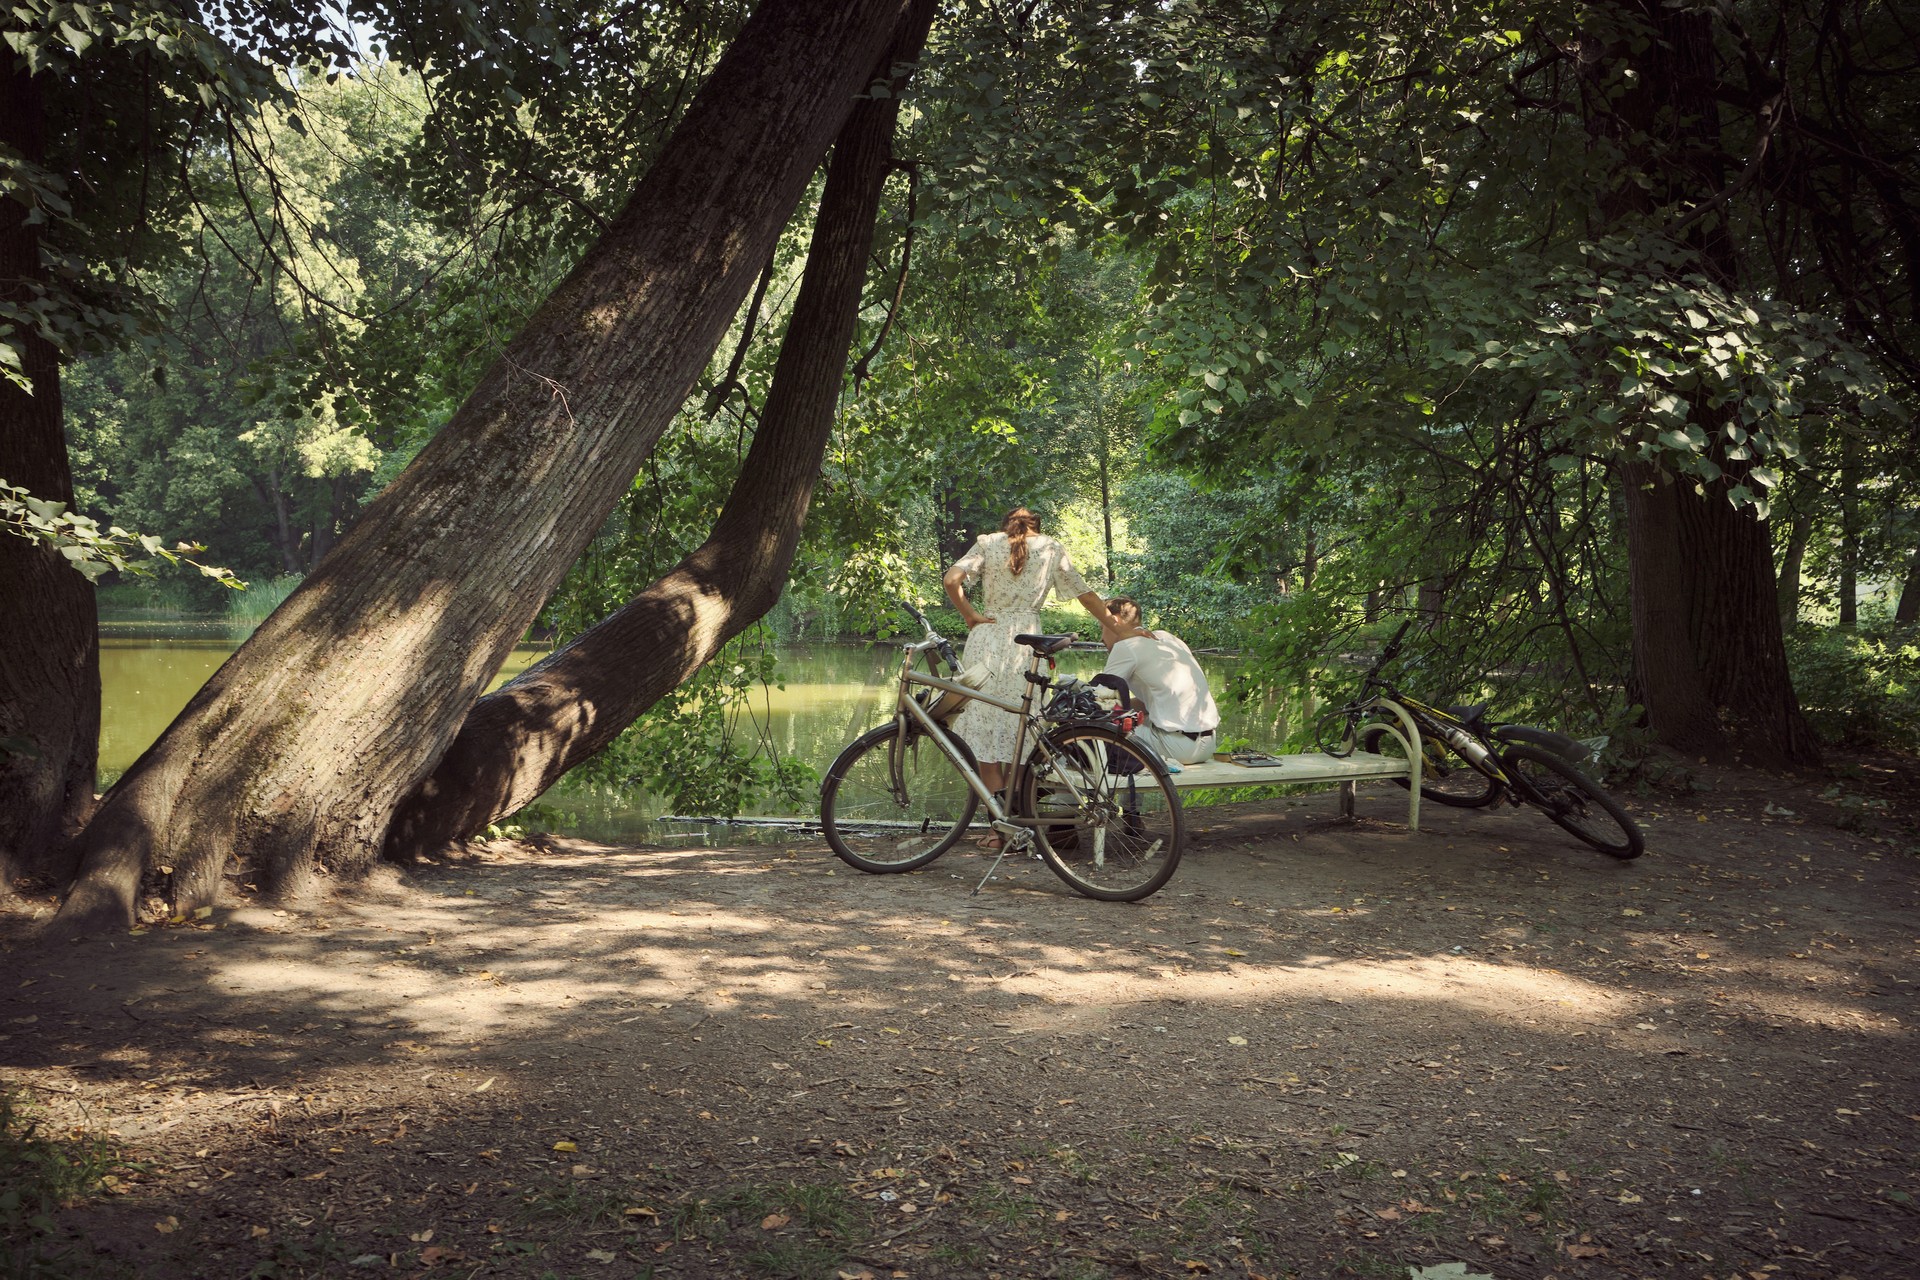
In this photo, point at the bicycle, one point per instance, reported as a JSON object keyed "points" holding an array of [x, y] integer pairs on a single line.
{"points": [[1099, 809], [1469, 762]]}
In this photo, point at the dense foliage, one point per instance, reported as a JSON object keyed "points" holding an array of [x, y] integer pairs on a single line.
{"points": [[1291, 320]]}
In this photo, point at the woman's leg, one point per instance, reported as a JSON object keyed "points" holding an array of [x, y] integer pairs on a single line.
{"points": [[994, 775]]}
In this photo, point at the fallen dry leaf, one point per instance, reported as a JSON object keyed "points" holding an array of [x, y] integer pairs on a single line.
{"points": [[774, 1221]]}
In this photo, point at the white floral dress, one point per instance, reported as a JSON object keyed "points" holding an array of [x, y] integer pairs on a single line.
{"points": [[1014, 602]]}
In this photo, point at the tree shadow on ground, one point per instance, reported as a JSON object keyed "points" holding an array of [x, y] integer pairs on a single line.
{"points": [[1325, 1046]]}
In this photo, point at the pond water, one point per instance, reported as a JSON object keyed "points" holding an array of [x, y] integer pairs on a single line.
{"points": [[832, 692]]}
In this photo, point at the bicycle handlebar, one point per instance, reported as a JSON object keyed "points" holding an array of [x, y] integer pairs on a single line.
{"points": [[1389, 653], [939, 641]]}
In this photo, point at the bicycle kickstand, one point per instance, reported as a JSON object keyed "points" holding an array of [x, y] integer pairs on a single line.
{"points": [[1011, 837]]}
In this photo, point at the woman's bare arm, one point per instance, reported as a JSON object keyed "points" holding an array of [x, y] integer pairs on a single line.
{"points": [[955, 582], [1093, 604]]}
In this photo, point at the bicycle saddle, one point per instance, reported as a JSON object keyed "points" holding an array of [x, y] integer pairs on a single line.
{"points": [[1046, 644], [1468, 714]]}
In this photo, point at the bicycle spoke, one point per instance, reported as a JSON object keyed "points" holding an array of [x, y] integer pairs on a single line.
{"points": [[887, 809], [1108, 820]]}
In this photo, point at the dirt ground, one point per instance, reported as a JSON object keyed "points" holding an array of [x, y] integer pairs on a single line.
{"points": [[1327, 1049]]}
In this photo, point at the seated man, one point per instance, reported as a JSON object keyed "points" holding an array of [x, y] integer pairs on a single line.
{"points": [[1166, 681]]}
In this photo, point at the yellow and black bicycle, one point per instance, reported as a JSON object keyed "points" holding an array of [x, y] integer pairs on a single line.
{"points": [[1469, 761]]}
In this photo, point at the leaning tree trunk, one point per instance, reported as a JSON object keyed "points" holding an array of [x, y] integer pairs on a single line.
{"points": [[517, 741], [300, 747], [50, 670]]}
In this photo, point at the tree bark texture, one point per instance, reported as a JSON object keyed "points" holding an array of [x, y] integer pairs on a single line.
{"points": [[300, 747], [50, 672], [1706, 614], [1792, 565], [519, 740], [1849, 601], [1908, 610], [1707, 666]]}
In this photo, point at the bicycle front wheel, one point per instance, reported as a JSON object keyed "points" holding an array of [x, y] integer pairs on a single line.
{"points": [[1108, 819], [1445, 778], [1574, 801], [880, 822]]}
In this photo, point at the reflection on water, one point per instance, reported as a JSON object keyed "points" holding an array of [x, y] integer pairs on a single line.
{"points": [[148, 671]]}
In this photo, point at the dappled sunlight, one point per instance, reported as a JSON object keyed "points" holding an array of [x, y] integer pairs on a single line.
{"points": [[1501, 992], [565, 1023], [628, 946]]}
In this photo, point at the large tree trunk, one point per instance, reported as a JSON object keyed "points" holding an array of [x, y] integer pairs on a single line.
{"points": [[1734, 620], [50, 671], [1849, 603], [1725, 617], [519, 740], [1793, 566], [300, 747], [1908, 610], [1667, 678]]}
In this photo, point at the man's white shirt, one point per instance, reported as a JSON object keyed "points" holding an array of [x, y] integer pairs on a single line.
{"points": [[1163, 674]]}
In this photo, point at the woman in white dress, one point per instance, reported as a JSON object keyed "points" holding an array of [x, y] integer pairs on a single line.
{"points": [[1016, 569]]}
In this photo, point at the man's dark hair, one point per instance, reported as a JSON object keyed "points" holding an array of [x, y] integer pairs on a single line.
{"points": [[1114, 605]]}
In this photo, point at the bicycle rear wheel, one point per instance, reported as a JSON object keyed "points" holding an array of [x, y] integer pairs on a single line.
{"points": [[1574, 801], [1110, 824], [1445, 778], [879, 827]]}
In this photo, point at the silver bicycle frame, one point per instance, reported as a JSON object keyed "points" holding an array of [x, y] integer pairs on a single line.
{"points": [[909, 707]]}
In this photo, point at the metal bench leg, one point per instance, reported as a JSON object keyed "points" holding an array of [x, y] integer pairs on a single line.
{"points": [[1346, 799]]}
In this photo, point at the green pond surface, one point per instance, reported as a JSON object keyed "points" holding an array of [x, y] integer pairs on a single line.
{"points": [[148, 671]]}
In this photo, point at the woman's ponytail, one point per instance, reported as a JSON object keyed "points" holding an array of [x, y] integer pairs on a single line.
{"points": [[1019, 525]]}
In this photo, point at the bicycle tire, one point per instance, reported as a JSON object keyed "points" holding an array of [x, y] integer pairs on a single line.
{"points": [[1116, 836], [872, 828], [1340, 745], [1453, 782], [1569, 799]]}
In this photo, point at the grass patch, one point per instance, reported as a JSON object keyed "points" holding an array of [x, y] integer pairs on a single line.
{"points": [[1081, 1269], [1208, 1217], [796, 1260], [961, 1254], [250, 608], [40, 1176], [1075, 1165], [995, 1204], [578, 1203], [828, 1214]]}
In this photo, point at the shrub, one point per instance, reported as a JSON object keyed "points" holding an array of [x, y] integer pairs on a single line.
{"points": [[1858, 688]]}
